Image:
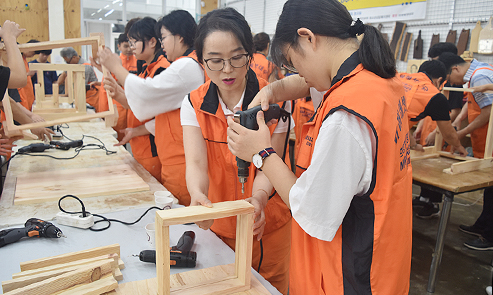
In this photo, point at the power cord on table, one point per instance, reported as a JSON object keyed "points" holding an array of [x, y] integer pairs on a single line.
{"points": [[109, 220]]}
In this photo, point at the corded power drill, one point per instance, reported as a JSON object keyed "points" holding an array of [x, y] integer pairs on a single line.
{"points": [[180, 255], [248, 119], [34, 227]]}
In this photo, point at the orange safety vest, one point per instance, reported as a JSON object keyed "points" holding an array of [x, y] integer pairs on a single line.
{"points": [[27, 92], [129, 62], [121, 123], [371, 251], [419, 91], [144, 146], [478, 136], [222, 168], [263, 67], [169, 142], [303, 111]]}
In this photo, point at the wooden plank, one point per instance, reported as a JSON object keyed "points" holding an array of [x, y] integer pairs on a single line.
{"points": [[101, 286], [471, 165], [93, 41], [69, 86], [220, 286], [56, 67], [243, 248], [485, 44], [162, 256], [405, 46], [55, 95], [149, 286], [38, 187], [69, 257], [434, 39], [462, 89], [64, 265], [117, 274], [64, 281], [121, 265], [473, 44], [79, 91], [418, 47], [71, 17], [40, 276], [413, 65], [199, 213], [451, 36], [488, 149], [463, 40], [397, 37]]}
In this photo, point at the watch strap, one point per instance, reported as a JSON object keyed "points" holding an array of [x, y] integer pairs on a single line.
{"points": [[266, 152]]}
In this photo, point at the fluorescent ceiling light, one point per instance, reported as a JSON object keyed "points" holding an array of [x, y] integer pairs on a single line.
{"points": [[99, 10], [107, 6], [116, 1], [109, 12]]}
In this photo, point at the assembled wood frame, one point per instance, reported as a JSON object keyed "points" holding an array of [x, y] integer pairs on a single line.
{"points": [[467, 164], [243, 254], [96, 40]]}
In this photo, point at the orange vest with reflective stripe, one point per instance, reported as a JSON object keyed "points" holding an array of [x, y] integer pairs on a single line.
{"points": [[419, 91], [371, 251], [478, 136], [222, 167], [27, 93], [144, 146], [263, 67]]}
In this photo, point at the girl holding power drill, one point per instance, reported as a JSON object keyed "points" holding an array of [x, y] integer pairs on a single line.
{"points": [[351, 195], [224, 46]]}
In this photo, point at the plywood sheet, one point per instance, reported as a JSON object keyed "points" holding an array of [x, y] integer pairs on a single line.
{"points": [[149, 286], [39, 187]]}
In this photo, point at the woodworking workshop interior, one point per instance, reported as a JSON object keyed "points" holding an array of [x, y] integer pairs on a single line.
{"points": [[200, 147]]}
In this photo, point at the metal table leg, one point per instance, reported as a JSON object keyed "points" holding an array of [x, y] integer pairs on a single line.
{"points": [[437, 255]]}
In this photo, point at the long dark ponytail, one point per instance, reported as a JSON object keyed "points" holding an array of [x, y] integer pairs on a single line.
{"points": [[330, 18]]}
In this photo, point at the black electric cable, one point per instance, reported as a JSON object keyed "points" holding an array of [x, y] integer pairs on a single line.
{"points": [[261, 255], [109, 220]]}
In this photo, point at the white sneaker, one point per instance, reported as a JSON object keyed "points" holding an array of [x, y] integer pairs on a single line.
{"points": [[488, 290]]}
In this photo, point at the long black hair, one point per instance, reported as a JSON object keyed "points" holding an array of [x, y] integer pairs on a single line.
{"points": [[179, 22], [225, 20], [330, 18], [143, 30]]}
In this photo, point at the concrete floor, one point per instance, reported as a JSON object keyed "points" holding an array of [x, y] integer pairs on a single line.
{"points": [[462, 271]]}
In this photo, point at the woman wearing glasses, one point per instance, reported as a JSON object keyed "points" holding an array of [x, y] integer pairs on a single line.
{"points": [[224, 45], [351, 195], [161, 96]]}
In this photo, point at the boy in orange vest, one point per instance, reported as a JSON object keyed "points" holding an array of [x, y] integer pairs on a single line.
{"points": [[477, 110]]}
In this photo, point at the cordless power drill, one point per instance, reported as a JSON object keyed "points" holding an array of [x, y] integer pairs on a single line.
{"points": [[180, 255], [41, 147], [34, 227], [248, 119]]}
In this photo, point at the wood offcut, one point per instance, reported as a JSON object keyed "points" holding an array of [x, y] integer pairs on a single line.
{"points": [[397, 37], [463, 40], [418, 47], [405, 46]]}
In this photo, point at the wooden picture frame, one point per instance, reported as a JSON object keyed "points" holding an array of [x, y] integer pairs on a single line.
{"points": [[240, 281], [466, 164], [96, 41]]}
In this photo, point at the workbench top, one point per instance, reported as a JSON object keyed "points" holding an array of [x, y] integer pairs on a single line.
{"points": [[17, 214]]}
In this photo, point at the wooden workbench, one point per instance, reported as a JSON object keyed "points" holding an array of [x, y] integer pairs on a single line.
{"points": [[11, 214], [428, 173]]}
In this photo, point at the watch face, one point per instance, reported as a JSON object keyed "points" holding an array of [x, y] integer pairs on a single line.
{"points": [[257, 161]]}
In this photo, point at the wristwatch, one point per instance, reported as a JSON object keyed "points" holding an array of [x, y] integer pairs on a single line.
{"points": [[258, 159]]}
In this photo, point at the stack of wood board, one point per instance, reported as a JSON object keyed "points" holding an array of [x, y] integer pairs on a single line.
{"points": [[92, 271]]}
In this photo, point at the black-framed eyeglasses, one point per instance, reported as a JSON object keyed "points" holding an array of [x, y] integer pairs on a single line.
{"points": [[69, 60], [162, 38], [237, 61]]}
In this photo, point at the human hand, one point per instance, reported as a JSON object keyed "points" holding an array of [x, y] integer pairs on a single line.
{"points": [[10, 29], [243, 142], [108, 59], [128, 134], [96, 64], [6, 145], [460, 149], [263, 98], [93, 84], [418, 147], [202, 200], [483, 88], [41, 133], [258, 217], [430, 139], [110, 85]]}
